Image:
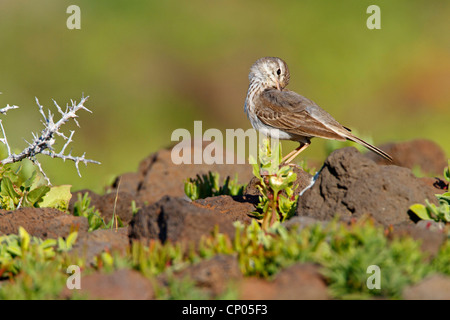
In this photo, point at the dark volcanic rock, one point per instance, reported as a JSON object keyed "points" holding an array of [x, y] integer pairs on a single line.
{"points": [[431, 241], [235, 207], [438, 184], [176, 219], [129, 182], [213, 275], [301, 222], [158, 176], [435, 287], [41, 222], [107, 204], [425, 154], [297, 282], [352, 185], [94, 197], [95, 242], [120, 285]]}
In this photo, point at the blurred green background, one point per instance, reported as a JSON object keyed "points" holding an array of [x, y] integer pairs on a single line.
{"points": [[150, 67]]}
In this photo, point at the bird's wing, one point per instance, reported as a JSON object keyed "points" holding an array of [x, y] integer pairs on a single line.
{"points": [[295, 114]]}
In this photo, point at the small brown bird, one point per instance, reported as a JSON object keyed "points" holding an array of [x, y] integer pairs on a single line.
{"points": [[286, 115]]}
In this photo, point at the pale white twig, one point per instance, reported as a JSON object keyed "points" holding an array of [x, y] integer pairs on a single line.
{"points": [[4, 111], [38, 164], [7, 108], [4, 140], [43, 143]]}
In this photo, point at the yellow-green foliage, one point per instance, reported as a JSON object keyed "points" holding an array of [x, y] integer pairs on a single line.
{"points": [[20, 188], [273, 179], [344, 253], [34, 266], [430, 211], [207, 185]]}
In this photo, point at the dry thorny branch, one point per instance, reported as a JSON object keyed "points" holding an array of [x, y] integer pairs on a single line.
{"points": [[43, 144]]}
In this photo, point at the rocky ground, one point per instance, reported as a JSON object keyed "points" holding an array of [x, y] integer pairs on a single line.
{"points": [[349, 184]]}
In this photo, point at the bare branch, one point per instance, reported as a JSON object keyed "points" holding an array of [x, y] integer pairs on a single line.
{"points": [[7, 108], [38, 164], [4, 140], [43, 143]]}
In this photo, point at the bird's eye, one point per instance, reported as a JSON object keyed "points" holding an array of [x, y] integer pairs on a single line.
{"points": [[278, 71]]}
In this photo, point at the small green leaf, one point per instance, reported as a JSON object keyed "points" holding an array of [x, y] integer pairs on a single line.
{"points": [[432, 208], [444, 198], [36, 195], [191, 190], [187, 189], [49, 252], [421, 211], [48, 243], [56, 197], [25, 238], [215, 180], [29, 182], [447, 172], [61, 244], [255, 166], [70, 241], [445, 212], [107, 258], [14, 249], [7, 188]]}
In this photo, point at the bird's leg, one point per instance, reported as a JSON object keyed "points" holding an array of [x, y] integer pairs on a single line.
{"points": [[293, 154]]}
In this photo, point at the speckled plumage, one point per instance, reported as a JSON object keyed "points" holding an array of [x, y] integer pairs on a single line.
{"points": [[286, 115]]}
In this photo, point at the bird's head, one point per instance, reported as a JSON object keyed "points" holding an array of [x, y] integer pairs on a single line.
{"points": [[270, 72]]}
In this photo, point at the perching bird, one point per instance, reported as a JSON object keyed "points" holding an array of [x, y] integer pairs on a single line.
{"points": [[286, 115]]}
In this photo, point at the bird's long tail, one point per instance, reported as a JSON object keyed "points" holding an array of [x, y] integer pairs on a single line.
{"points": [[369, 146]]}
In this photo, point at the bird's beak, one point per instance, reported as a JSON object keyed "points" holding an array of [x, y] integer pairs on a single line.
{"points": [[278, 84]]}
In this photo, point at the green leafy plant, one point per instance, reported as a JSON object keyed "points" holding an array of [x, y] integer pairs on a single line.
{"points": [[276, 184], [157, 257], [35, 267], [264, 252], [445, 197], [352, 249], [134, 208], [57, 197], [65, 245], [447, 172], [17, 191], [14, 248], [305, 167], [441, 263], [108, 261], [430, 211], [343, 251], [182, 289], [82, 208], [207, 185], [39, 280], [115, 222]]}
